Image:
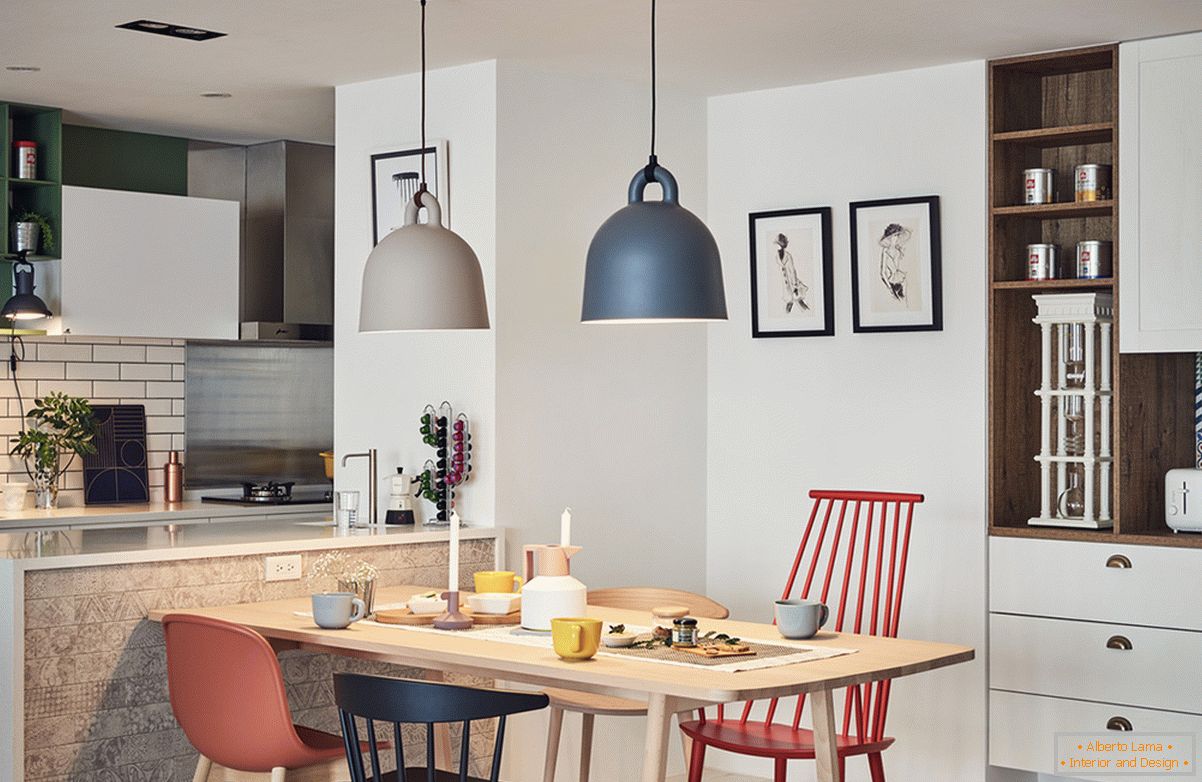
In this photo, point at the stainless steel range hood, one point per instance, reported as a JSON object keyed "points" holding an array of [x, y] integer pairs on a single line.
{"points": [[287, 192]]}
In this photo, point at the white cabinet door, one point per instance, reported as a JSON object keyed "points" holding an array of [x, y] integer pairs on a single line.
{"points": [[149, 265], [1160, 194]]}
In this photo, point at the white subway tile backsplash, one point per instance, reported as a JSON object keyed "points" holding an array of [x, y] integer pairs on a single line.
{"points": [[173, 390], [153, 406], [38, 370], [105, 370], [53, 352], [90, 371], [145, 371], [119, 353], [165, 355], [119, 388], [73, 387], [163, 424]]}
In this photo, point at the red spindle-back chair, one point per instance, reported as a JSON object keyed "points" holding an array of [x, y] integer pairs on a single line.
{"points": [[852, 557]]}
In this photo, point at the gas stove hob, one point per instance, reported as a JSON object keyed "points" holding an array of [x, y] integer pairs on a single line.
{"points": [[272, 493]]}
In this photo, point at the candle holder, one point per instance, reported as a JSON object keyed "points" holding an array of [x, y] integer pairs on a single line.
{"points": [[1075, 453], [453, 619]]}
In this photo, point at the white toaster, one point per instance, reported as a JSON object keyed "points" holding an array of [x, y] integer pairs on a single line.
{"points": [[1183, 500]]}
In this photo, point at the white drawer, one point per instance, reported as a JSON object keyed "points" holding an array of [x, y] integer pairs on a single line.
{"points": [[1070, 579], [1073, 660], [1022, 727]]}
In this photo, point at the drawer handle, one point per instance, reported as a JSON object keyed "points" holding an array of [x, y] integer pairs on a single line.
{"points": [[1118, 561], [1119, 642], [1120, 724]]}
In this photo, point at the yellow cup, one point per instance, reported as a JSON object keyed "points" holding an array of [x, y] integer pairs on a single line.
{"points": [[498, 581], [576, 638]]}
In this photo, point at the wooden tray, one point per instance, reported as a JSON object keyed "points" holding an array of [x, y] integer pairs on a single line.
{"points": [[715, 651], [403, 616]]}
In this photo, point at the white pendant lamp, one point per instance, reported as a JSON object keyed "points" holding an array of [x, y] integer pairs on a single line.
{"points": [[653, 261], [422, 276]]}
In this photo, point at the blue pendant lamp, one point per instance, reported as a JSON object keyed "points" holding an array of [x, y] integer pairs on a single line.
{"points": [[653, 261], [422, 276]]}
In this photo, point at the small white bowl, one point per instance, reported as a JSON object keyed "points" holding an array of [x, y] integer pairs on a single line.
{"points": [[501, 603], [422, 604], [618, 640]]}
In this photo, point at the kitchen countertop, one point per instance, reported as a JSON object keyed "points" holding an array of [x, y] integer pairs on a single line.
{"points": [[89, 515], [86, 547]]}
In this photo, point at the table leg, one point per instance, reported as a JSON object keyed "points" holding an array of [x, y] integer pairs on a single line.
{"points": [[825, 751], [442, 731], [659, 725], [686, 743]]}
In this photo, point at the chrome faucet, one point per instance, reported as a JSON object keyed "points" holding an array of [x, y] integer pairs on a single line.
{"points": [[373, 479]]}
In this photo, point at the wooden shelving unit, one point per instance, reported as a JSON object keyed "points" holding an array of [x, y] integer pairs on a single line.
{"points": [[1059, 110]]}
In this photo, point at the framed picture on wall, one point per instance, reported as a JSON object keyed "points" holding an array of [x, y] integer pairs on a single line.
{"points": [[896, 282], [792, 284], [395, 176]]}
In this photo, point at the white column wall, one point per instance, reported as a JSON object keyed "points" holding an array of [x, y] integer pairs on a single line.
{"points": [[382, 381], [873, 411]]}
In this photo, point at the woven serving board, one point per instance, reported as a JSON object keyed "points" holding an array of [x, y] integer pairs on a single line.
{"points": [[403, 616]]}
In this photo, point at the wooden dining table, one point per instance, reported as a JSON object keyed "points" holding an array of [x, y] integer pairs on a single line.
{"points": [[668, 689]]}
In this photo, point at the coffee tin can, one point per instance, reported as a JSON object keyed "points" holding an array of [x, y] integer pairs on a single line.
{"points": [[1093, 260], [1042, 262], [25, 160], [1037, 188], [1092, 182]]}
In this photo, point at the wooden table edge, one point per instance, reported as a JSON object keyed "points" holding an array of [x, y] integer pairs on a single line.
{"points": [[474, 665]]}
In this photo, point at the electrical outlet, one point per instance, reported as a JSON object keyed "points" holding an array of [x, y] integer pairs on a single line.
{"points": [[282, 568]]}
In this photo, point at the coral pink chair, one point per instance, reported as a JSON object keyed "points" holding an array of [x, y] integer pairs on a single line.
{"points": [[227, 693], [862, 555]]}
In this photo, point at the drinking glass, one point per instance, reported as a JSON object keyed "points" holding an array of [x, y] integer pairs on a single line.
{"points": [[347, 509]]}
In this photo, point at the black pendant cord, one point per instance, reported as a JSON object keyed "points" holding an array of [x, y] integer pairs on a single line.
{"points": [[649, 171], [422, 187]]}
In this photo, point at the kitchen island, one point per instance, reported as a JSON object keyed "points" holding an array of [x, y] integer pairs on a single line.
{"points": [[148, 513], [83, 673]]}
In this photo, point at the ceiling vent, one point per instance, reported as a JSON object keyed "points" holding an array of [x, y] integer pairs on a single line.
{"points": [[173, 30]]}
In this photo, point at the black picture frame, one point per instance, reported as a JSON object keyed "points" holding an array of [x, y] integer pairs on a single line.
{"points": [[825, 326], [408, 159], [866, 321]]}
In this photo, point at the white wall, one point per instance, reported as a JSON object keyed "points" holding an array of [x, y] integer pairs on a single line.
{"points": [[382, 381], [873, 411], [606, 418]]}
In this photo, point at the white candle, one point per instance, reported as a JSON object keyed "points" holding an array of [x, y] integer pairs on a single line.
{"points": [[565, 527], [453, 582]]}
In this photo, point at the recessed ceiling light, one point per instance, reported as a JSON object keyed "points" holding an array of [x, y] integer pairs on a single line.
{"points": [[173, 30], [22, 68], [216, 95]]}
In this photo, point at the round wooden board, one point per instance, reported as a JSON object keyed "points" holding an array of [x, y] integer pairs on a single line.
{"points": [[403, 616]]}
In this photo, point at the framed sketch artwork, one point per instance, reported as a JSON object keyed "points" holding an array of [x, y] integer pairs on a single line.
{"points": [[895, 266], [394, 179], [792, 285]]}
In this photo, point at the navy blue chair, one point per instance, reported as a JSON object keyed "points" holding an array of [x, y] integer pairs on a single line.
{"points": [[404, 701]]}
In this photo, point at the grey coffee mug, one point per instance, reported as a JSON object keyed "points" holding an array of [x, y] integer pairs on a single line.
{"points": [[800, 618], [336, 610]]}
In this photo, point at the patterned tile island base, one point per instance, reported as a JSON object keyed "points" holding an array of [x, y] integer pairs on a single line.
{"points": [[96, 704]]}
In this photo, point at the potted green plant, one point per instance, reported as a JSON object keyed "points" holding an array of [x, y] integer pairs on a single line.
{"points": [[32, 231], [60, 425]]}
